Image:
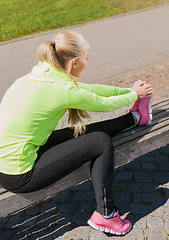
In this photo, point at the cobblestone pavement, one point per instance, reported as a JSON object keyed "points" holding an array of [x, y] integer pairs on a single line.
{"points": [[141, 194]]}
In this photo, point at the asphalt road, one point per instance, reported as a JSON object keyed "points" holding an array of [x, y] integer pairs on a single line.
{"points": [[117, 45]]}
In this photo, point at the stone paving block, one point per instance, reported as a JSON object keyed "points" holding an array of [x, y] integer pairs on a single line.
{"points": [[135, 187], [160, 177], [146, 158], [153, 222], [120, 186], [158, 199], [5, 235], [143, 177], [134, 234], [149, 187], [68, 207], [138, 221], [86, 206], [122, 197], [138, 208], [149, 166], [159, 212], [148, 162], [155, 233], [166, 213], [85, 195], [166, 225], [134, 165], [166, 150], [164, 162], [144, 198], [81, 219], [123, 208], [124, 176]]}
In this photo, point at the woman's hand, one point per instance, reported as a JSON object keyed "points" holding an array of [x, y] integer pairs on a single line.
{"points": [[142, 90]]}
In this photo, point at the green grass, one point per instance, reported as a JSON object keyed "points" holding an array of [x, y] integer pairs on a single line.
{"points": [[23, 17]]}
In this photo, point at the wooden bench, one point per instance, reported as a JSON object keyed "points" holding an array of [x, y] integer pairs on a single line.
{"points": [[129, 145]]}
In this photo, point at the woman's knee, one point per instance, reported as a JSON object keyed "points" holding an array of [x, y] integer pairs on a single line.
{"points": [[102, 138]]}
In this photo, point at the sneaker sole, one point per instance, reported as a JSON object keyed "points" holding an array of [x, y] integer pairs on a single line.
{"points": [[107, 230], [150, 112]]}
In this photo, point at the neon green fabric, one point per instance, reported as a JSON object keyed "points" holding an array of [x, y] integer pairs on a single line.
{"points": [[32, 106]]}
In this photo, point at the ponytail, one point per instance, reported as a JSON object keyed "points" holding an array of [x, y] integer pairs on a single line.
{"points": [[58, 52]]}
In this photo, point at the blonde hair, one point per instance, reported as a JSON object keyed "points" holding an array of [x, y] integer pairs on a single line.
{"points": [[59, 52]]}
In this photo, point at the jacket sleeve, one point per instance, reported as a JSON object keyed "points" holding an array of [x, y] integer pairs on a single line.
{"points": [[104, 90], [79, 98]]}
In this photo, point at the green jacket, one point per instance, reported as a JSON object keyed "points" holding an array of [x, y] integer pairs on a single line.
{"points": [[32, 106]]}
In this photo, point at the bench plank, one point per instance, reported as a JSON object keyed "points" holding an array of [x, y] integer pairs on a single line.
{"points": [[2, 190]]}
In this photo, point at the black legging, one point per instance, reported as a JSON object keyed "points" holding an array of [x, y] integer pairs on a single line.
{"points": [[63, 153]]}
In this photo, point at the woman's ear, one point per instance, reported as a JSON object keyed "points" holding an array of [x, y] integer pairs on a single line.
{"points": [[74, 63]]}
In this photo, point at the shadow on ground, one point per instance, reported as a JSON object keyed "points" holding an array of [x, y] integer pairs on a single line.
{"points": [[139, 190]]}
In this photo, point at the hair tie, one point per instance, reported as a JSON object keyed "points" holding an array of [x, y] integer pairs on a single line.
{"points": [[53, 43]]}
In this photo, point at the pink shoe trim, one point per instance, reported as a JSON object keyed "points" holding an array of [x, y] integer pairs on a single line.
{"points": [[135, 106]]}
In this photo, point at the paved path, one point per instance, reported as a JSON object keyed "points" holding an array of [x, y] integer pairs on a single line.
{"points": [[118, 45], [141, 186]]}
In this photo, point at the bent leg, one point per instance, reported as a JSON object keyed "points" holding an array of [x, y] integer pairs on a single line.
{"points": [[64, 158]]}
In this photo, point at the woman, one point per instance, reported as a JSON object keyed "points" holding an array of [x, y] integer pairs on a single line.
{"points": [[34, 155]]}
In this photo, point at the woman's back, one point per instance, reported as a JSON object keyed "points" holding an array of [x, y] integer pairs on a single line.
{"points": [[29, 112]]}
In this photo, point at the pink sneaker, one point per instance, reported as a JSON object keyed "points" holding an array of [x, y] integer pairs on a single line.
{"points": [[114, 225], [145, 110]]}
